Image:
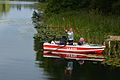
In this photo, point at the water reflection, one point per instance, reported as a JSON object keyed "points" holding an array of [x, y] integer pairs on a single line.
{"points": [[88, 71], [5, 6]]}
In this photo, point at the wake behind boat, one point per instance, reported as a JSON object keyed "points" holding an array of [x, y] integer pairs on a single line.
{"points": [[78, 52]]}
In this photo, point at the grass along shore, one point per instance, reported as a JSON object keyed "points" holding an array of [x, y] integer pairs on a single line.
{"points": [[92, 26]]}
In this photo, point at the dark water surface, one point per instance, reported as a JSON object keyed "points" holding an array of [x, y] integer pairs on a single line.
{"points": [[17, 55]]}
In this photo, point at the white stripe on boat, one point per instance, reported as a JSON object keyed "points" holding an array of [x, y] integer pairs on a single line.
{"points": [[72, 49]]}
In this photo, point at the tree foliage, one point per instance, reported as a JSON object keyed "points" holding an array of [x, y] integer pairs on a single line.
{"points": [[104, 6]]}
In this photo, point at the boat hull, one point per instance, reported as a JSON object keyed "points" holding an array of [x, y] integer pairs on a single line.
{"points": [[83, 52]]}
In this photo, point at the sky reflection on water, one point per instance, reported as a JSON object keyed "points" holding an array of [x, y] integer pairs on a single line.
{"points": [[17, 57]]}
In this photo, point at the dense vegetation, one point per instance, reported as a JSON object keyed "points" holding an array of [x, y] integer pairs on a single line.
{"points": [[104, 6], [92, 19]]}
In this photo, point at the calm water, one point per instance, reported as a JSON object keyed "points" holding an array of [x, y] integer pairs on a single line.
{"points": [[17, 55]]}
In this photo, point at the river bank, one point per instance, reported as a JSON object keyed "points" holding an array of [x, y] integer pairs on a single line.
{"points": [[91, 25]]}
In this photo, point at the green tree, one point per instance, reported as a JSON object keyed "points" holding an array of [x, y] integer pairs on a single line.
{"points": [[105, 6]]}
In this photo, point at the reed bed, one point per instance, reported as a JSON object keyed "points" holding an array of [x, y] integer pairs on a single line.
{"points": [[92, 26]]}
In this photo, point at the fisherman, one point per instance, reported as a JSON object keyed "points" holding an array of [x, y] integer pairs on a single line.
{"points": [[81, 41], [70, 36], [63, 40]]}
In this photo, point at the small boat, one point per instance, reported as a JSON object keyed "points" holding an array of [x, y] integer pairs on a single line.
{"points": [[78, 52]]}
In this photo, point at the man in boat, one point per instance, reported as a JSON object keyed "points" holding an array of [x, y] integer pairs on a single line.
{"points": [[81, 41], [70, 36], [63, 40]]}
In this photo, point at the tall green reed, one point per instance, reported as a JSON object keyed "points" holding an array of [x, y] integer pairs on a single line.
{"points": [[93, 27]]}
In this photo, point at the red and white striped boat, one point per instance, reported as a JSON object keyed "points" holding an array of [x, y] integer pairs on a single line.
{"points": [[78, 52]]}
